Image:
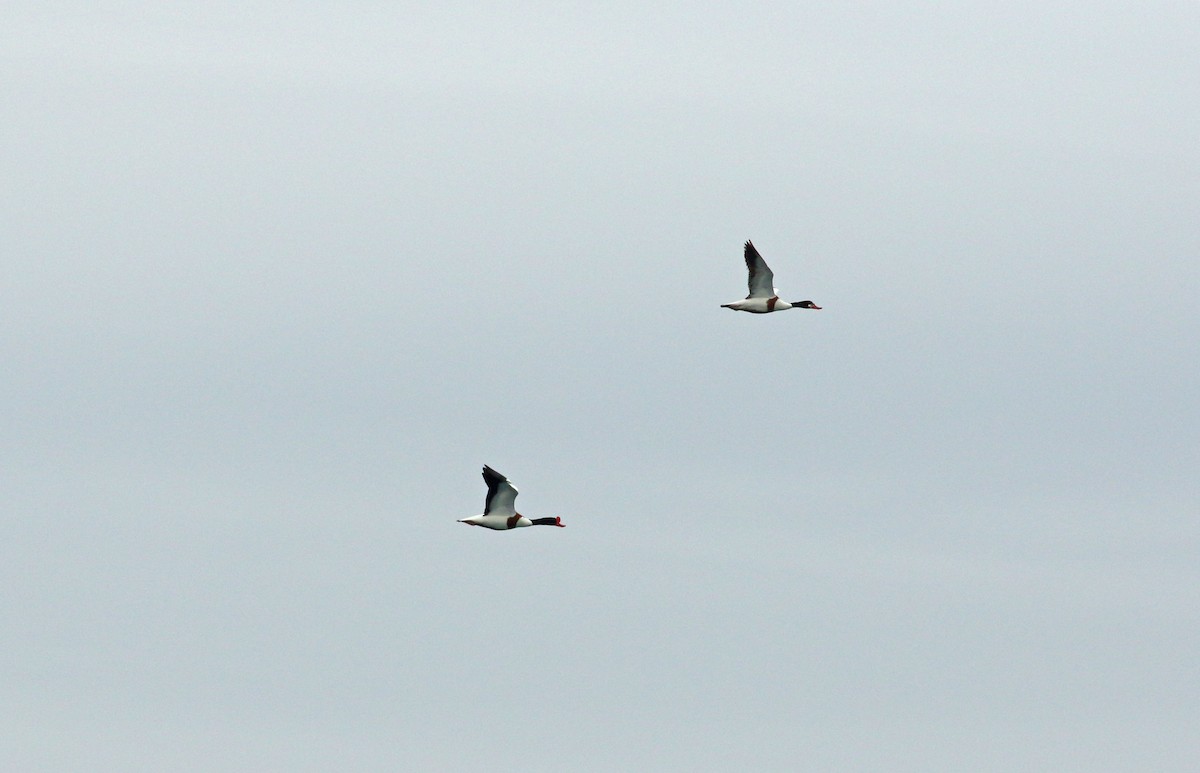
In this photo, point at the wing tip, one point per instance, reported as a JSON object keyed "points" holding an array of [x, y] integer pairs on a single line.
{"points": [[751, 254]]}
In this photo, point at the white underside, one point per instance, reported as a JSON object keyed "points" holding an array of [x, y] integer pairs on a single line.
{"points": [[758, 305], [497, 522]]}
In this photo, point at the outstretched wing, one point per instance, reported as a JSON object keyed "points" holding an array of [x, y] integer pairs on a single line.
{"points": [[501, 494], [762, 280]]}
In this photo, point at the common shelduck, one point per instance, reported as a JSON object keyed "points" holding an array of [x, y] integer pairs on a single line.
{"points": [[763, 297], [499, 509]]}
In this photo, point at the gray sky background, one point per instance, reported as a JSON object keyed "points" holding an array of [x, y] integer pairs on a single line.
{"points": [[279, 280]]}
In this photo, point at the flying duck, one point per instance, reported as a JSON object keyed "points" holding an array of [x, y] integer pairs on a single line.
{"points": [[499, 510], [763, 297]]}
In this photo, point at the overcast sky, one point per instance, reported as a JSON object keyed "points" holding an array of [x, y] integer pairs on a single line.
{"points": [[277, 281]]}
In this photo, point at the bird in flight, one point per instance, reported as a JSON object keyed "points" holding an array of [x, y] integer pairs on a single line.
{"points": [[763, 297], [499, 509]]}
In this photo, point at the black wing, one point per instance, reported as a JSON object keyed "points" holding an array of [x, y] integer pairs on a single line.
{"points": [[762, 279], [501, 494]]}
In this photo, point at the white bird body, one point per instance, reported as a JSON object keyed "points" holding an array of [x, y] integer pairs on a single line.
{"points": [[763, 297], [498, 522], [758, 305], [499, 509]]}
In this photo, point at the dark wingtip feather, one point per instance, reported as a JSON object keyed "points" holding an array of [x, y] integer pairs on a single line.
{"points": [[493, 480], [751, 255]]}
